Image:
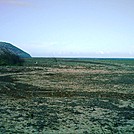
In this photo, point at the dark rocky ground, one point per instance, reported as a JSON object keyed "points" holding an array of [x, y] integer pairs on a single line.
{"points": [[68, 98]]}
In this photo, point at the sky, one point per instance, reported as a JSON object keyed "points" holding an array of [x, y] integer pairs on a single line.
{"points": [[69, 28]]}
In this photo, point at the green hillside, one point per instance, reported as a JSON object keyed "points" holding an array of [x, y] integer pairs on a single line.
{"points": [[13, 49]]}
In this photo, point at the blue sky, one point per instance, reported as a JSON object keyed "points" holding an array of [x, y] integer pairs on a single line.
{"points": [[69, 28]]}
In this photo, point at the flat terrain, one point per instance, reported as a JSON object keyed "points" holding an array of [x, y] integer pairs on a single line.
{"points": [[67, 96]]}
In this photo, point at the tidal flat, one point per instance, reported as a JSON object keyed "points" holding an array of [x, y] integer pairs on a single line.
{"points": [[67, 96]]}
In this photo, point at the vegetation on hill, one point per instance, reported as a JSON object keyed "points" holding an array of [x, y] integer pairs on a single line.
{"points": [[8, 58], [13, 49]]}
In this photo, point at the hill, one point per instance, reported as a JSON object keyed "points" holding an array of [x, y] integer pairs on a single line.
{"points": [[13, 49]]}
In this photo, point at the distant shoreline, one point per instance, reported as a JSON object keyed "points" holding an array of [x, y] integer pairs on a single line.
{"points": [[86, 58]]}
